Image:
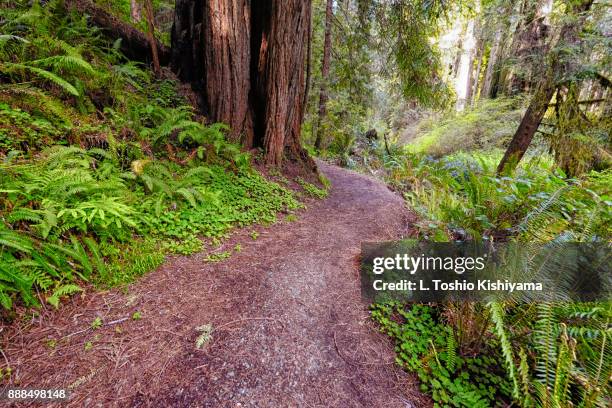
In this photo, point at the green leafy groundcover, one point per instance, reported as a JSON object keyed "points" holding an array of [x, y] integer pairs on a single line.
{"points": [[75, 215], [427, 347]]}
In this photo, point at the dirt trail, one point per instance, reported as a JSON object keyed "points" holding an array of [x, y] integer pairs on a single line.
{"points": [[290, 328]]}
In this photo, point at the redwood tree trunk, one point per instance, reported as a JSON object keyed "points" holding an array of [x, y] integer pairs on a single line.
{"points": [[246, 60], [324, 74]]}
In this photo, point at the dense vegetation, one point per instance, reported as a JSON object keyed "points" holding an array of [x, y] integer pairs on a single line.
{"points": [[105, 168]]}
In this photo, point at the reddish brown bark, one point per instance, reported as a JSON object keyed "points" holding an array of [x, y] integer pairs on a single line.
{"points": [[282, 56], [246, 59], [325, 64], [226, 42]]}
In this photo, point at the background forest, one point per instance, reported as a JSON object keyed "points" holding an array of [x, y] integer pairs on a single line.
{"points": [[121, 142]]}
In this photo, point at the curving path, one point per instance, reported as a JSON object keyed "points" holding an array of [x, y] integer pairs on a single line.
{"points": [[289, 325]]}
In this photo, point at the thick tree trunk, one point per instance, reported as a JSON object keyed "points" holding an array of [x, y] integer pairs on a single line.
{"points": [[544, 92], [134, 44], [246, 59], [325, 63], [281, 75]]}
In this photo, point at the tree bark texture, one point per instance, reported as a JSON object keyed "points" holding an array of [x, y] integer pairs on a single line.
{"points": [[134, 44], [475, 95], [325, 63], [246, 59]]}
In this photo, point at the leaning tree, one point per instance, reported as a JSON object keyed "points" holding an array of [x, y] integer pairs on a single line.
{"points": [[246, 60]]}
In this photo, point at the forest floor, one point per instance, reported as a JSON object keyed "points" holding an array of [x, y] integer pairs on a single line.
{"points": [[289, 327]]}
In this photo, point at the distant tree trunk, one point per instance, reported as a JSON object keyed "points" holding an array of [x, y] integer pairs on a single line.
{"points": [[455, 68], [487, 85], [544, 92], [502, 77], [246, 60], [308, 63], [135, 11], [464, 72], [476, 78], [325, 63], [475, 58], [151, 36]]}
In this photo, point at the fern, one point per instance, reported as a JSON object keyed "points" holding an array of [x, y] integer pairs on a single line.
{"points": [[97, 257], [41, 73], [15, 241], [23, 214], [497, 316], [525, 378], [64, 64], [451, 351], [205, 335], [63, 290]]}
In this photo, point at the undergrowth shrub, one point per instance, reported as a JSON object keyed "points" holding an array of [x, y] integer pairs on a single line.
{"points": [[460, 196], [429, 348], [490, 124]]}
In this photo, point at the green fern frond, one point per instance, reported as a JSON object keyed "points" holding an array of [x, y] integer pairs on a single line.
{"points": [[65, 63], [16, 241], [188, 195], [451, 352], [64, 290], [497, 316], [23, 214], [41, 73]]}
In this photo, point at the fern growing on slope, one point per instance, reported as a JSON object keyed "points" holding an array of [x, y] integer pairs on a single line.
{"points": [[566, 367]]}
